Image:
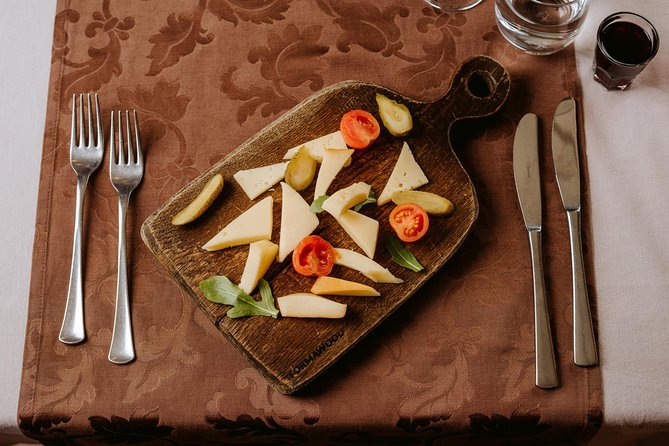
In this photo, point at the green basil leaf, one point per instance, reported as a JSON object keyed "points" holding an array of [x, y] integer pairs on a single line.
{"points": [[317, 206], [401, 255], [369, 200], [221, 290], [248, 306]]}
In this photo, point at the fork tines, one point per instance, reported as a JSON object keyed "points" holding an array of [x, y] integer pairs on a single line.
{"points": [[78, 123], [134, 154]]}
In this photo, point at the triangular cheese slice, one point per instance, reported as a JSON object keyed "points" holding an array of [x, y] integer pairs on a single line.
{"points": [[365, 265], [406, 175], [346, 198], [256, 181], [297, 221], [340, 287], [261, 255], [254, 224], [333, 162], [316, 147], [362, 229]]}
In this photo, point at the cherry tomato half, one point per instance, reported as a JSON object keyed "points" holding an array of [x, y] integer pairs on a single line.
{"points": [[359, 128], [313, 256], [410, 222]]}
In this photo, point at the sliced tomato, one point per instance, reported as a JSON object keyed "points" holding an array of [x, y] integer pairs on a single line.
{"points": [[313, 256], [410, 222], [359, 128]]}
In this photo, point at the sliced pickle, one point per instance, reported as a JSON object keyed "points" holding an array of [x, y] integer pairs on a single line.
{"points": [[395, 116], [200, 204], [433, 204]]}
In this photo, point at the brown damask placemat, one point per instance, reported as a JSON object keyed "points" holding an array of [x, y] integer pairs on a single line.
{"points": [[455, 363]]}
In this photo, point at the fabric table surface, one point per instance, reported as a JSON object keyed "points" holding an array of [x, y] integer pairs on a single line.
{"points": [[632, 397]]}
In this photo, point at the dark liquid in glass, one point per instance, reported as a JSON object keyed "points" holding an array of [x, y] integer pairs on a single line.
{"points": [[630, 46]]}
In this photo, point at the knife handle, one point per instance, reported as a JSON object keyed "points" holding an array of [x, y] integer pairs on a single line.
{"points": [[546, 373], [585, 348]]}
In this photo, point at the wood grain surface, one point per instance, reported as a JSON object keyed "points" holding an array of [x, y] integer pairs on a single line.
{"points": [[291, 352]]}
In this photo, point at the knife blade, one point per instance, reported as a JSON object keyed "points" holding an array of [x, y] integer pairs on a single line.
{"points": [[527, 177], [565, 160]]}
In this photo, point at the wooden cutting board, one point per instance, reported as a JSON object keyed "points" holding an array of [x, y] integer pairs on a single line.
{"points": [[291, 352]]}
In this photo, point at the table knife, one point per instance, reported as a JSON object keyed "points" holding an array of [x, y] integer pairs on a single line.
{"points": [[565, 159], [528, 186]]}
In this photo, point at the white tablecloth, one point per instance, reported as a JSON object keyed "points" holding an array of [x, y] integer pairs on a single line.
{"points": [[627, 134]]}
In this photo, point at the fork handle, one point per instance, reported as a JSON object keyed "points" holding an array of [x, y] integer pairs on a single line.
{"points": [[72, 330], [122, 350], [585, 347], [546, 373]]}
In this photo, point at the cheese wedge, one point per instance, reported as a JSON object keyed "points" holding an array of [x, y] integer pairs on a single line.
{"points": [[256, 181], [310, 305], [316, 147], [365, 265], [341, 287], [406, 175], [261, 255], [346, 198], [253, 225], [362, 229], [333, 162], [297, 221]]}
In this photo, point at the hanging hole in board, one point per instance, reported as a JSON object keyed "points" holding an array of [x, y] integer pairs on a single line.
{"points": [[480, 84]]}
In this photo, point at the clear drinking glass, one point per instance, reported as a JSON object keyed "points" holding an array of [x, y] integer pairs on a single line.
{"points": [[626, 42], [453, 5], [540, 26]]}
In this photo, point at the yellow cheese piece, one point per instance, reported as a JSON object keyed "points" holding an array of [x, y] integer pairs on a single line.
{"points": [[365, 265], [341, 287], [254, 224], [310, 305], [333, 161], [316, 147], [261, 255], [346, 198], [362, 229], [256, 181], [297, 221], [406, 175]]}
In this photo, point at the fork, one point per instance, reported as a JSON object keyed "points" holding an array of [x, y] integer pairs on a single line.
{"points": [[85, 157], [125, 173]]}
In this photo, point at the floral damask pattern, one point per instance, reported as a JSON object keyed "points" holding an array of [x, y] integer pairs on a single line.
{"points": [[291, 59], [454, 365], [257, 11], [103, 62], [365, 24]]}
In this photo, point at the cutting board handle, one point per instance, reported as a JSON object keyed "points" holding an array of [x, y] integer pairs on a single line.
{"points": [[479, 88]]}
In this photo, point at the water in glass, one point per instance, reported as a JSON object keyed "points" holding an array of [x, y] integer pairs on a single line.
{"points": [[540, 26]]}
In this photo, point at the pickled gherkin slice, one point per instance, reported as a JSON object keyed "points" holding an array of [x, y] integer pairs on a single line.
{"points": [[395, 116]]}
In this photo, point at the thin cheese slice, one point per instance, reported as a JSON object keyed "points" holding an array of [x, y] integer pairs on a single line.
{"points": [[261, 255], [340, 287], [297, 221], [362, 229], [333, 161], [406, 175], [365, 265], [346, 198], [316, 147], [253, 225], [310, 305], [256, 181]]}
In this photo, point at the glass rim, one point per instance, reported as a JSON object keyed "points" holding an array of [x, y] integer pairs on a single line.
{"points": [[609, 19], [583, 8], [551, 4]]}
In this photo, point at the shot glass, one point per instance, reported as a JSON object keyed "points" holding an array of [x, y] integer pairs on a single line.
{"points": [[453, 5], [540, 27], [626, 42]]}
